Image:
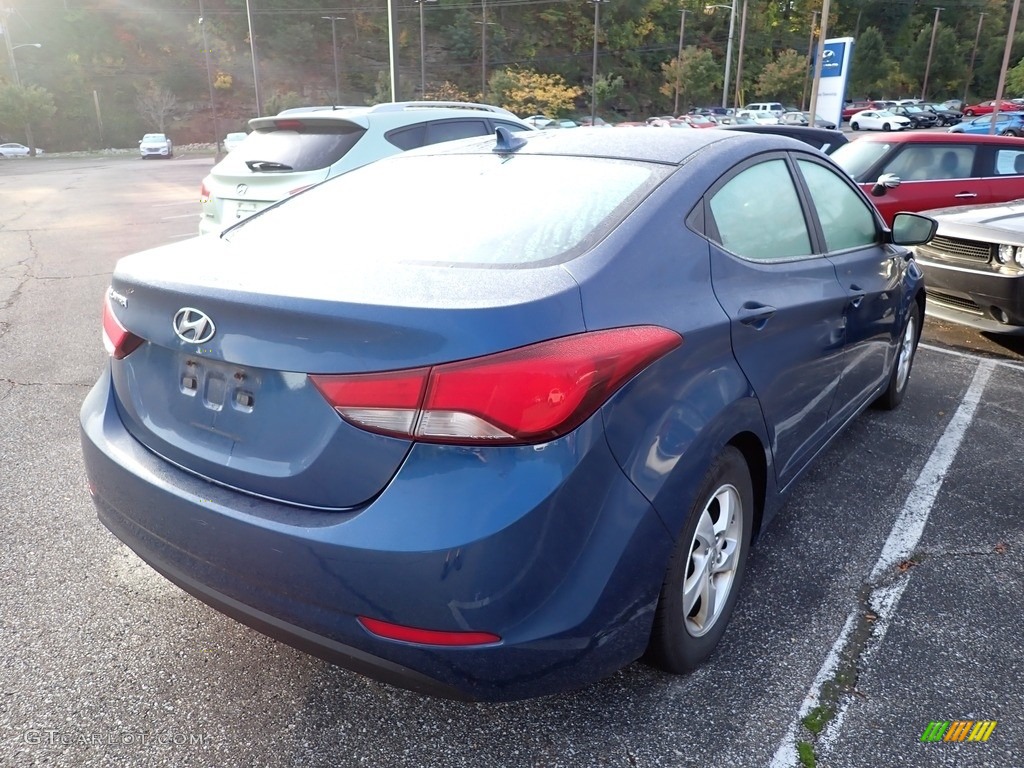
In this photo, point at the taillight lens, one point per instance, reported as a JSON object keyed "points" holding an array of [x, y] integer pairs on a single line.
{"points": [[204, 192], [426, 636], [527, 395], [117, 340]]}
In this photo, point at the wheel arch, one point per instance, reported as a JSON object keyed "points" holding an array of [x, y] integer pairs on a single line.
{"points": [[754, 453]]}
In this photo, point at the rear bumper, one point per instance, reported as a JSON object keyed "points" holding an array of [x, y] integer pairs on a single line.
{"points": [[553, 550]]}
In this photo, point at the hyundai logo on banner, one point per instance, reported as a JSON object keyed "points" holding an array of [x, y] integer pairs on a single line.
{"points": [[832, 59]]}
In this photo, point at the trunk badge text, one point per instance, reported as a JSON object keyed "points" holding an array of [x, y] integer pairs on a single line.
{"points": [[193, 326]]}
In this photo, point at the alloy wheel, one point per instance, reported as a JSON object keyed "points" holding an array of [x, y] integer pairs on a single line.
{"points": [[714, 557]]}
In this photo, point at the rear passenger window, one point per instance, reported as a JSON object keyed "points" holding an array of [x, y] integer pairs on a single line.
{"points": [[407, 138], [929, 162], [1010, 162], [757, 226]]}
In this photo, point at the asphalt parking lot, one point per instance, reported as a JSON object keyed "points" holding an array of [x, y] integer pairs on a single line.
{"points": [[885, 596]]}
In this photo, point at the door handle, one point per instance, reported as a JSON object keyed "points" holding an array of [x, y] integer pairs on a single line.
{"points": [[965, 195], [755, 314]]}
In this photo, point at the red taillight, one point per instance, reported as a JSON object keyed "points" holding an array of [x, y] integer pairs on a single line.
{"points": [[204, 192], [426, 636], [527, 395], [288, 125], [117, 340]]}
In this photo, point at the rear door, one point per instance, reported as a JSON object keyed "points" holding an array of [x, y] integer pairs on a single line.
{"points": [[1003, 167], [784, 303]]}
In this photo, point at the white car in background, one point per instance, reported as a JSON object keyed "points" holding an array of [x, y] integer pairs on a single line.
{"points": [[878, 120], [759, 116], [232, 140], [156, 145], [16, 150]]}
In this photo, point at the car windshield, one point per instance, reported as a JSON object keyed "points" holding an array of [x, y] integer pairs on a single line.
{"points": [[153, 137], [457, 209], [856, 157]]}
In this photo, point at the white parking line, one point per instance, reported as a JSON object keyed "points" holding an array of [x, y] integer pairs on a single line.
{"points": [[903, 538], [969, 356], [180, 216], [169, 205]]}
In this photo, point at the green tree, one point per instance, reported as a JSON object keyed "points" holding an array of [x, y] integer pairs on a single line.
{"points": [[870, 65], [20, 106], [698, 75], [783, 79]]}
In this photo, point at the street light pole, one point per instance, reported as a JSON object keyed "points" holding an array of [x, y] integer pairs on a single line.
{"points": [[209, 80], [679, 58], [974, 52], [423, 49], [931, 47], [255, 69], [334, 44], [728, 48], [810, 60]]}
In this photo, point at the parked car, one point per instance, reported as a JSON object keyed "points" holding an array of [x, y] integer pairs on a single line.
{"points": [[284, 155], [821, 138], [520, 440], [918, 116], [850, 108], [804, 118], [761, 117], [988, 107], [922, 170], [156, 145], [539, 121], [774, 107], [974, 266], [878, 120], [232, 140], [1007, 124], [17, 150], [946, 115]]}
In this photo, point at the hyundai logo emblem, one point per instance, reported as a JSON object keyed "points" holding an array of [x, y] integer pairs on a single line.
{"points": [[193, 326], [241, 189]]}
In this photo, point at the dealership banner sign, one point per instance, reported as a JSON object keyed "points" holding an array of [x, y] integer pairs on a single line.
{"points": [[834, 70]]}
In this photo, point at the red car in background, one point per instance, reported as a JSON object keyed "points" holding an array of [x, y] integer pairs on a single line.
{"points": [[921, 170], [988, 107]]}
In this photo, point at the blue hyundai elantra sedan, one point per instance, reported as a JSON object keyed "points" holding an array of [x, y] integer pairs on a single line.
{"points": [[493, 419]]}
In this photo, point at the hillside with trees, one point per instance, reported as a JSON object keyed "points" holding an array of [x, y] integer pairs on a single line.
{"points": [[107, 71]]}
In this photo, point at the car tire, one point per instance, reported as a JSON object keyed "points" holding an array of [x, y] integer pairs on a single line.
{"points": [[903, 361], [710, 557], [886, 127], [969, 113], [1012, 132], [854, 126]]}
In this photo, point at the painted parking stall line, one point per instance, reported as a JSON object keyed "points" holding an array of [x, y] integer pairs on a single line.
{"points": [[884, 599]]}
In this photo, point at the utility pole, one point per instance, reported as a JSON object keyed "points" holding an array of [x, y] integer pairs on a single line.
{"points": [[816, 83], [931, 48], [334, 43], [255, 68], [593, 76], [209, 80], [810, 61], [974, 52], [1006, 63], [679, 60], [739, 56]]}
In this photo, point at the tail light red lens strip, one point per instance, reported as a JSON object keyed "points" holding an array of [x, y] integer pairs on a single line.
{"points": [[117, 340], [526, 395], [426, 636]]}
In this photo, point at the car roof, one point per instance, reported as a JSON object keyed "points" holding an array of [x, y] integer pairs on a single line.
{"points": [[413, 107], [670, 147], [922, 137]]}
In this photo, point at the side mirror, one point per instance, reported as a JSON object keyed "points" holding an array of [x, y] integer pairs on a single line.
{"points": [[913, 228], [885, 181]]}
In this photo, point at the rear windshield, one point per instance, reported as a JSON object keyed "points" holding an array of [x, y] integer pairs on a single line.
{"points": [[457, 209], [856, 157], [307, 149]]}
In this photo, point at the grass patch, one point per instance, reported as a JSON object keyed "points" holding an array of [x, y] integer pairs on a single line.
{"points": [[817, 717], [806, 754]]}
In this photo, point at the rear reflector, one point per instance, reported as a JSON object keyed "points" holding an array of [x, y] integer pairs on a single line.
{"points": [[527, 395], [426, 636], [117, 340]]}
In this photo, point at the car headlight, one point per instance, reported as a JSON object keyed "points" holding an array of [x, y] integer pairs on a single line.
{"points": [[1008, 254]]}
